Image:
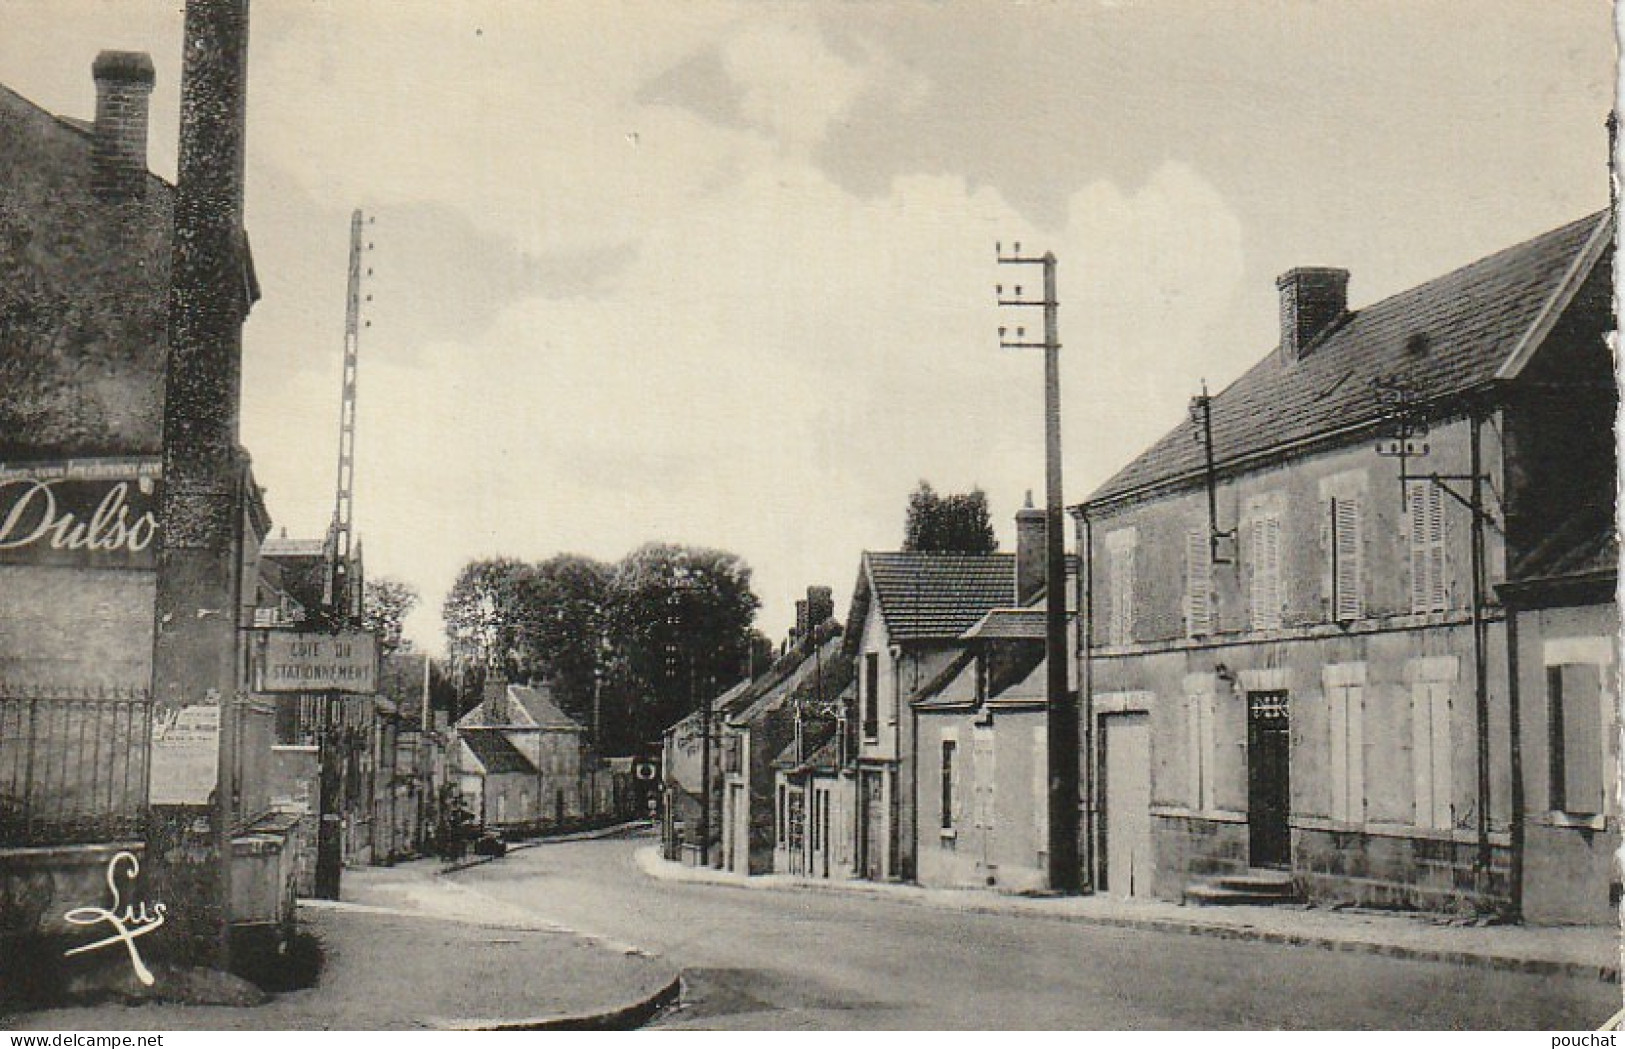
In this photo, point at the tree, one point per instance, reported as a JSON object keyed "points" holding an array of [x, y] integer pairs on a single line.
{"points": [[952, 524], [562, 632], [385, 604], [680, 618], [481, 612]]}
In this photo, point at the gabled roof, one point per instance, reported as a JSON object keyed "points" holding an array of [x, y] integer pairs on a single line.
{"points": [[1449, 336], [724, 703], [537, 702], [931, 597], [521, 707], [493, 751]]}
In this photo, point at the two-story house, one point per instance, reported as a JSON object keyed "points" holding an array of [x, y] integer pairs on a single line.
{"points": [[908, 612], [550, 742], [1295, 648], [801, 686]]}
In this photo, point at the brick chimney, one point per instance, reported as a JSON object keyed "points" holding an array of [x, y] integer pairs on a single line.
{"points": [[1031, 571], [1313, 298], [124, 82]]}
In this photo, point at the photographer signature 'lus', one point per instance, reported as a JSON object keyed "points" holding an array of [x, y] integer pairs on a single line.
{"points": [[128, 921]]}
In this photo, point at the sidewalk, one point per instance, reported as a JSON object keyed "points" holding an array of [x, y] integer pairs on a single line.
{"points": [[1585, 952], [409, 951]]}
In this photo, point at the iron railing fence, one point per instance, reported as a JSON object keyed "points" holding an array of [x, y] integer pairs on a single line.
{"points": [[73, 764]]}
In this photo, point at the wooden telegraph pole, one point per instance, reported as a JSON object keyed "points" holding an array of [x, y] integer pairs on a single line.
{"points": [[1065, 871]]}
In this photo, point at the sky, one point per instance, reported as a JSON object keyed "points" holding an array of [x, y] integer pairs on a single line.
{"points": [[722, 273]]}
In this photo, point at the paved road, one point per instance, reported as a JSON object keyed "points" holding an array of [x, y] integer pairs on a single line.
{"points": [[771, 959]]}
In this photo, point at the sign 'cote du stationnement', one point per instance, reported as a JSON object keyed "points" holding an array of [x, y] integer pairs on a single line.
{"points": [[309, 662]]}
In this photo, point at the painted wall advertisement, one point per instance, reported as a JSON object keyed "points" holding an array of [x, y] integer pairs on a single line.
{"points": [[100, 513]]}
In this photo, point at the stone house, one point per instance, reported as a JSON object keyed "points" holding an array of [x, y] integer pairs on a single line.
{"points": [[552, 743], [908, 612], [1295, 650]]}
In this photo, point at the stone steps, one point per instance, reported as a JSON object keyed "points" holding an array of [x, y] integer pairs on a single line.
{"points": [[1255, 887]]}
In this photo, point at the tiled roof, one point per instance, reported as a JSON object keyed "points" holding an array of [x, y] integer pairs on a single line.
{"points": [[1009, 624], [938, 596], [538, 703], [493, 751], [801, 673], [1444, 337]]}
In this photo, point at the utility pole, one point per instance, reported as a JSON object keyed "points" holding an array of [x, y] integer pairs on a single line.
{"points": [[1065, 874], [1403, 440]]}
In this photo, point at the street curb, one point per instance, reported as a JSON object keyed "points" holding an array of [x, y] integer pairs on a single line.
{"points": [[627, 1017], [531, 843], [1536, 966]]}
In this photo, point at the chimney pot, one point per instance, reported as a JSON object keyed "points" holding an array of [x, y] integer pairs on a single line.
{"points": [[1313, 298], [124, 82]]}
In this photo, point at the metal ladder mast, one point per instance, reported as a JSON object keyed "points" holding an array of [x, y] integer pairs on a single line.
{"points": [[338, 588]]}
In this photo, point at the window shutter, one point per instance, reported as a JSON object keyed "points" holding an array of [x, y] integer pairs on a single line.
{"points": [[1198, 584], [1582, 746], [1425, 510], [1193, 748], [1122, 596], [1041, 786], [1347, 574], [1266, 567], [1337, 717]]}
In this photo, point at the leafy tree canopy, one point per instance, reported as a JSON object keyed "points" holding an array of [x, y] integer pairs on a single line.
{"points": [[385, 604], [948, 524]]}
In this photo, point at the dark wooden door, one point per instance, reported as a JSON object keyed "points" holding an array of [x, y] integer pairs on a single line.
{"points": [[1269, 779]]}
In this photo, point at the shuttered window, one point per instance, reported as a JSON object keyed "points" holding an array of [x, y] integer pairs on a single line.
{"points": [[1265, 595], [1574, 697], [871, 695], [1041, 786], [1121, 613], [1346, 713], [982, 757], [1198, 583], [1199, 743], [1430, 753], [1346, 570], [1424, 502]]}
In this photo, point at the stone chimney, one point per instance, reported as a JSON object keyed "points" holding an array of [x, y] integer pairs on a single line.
{"points": [[124, 82], [1313, 298], [800, 630], [1031, 533]]}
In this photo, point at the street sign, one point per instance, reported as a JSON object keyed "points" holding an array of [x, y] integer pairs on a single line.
{"points": [[293, 661]]}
